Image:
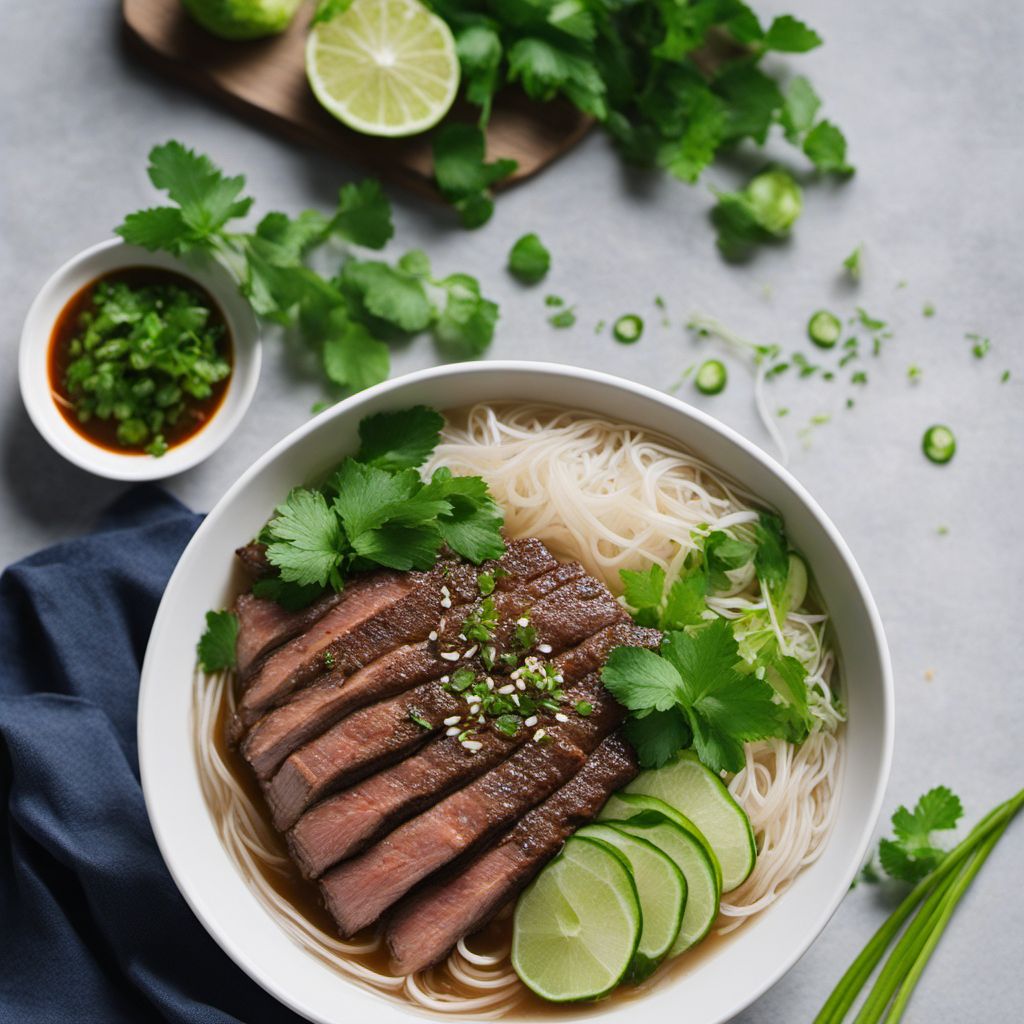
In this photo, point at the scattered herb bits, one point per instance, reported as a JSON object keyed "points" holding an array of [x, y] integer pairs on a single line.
{"points": [[528, 259], [824, 329], [852, 263], [762, 212], [628, 329], [563, 318], [711, 377], [939, 444]]}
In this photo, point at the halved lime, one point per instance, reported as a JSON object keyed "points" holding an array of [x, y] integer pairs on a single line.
{"points": [[576, 928], [384, 67], [700, 795], [703, 893], [661, 886]]}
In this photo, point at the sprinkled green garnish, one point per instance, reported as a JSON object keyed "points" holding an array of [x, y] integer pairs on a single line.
{"points": [[804, 365], [860, 377], [711, 377], [1004, 376], [869, 322], [554, 300], [422, 722], [485, 583], [628, 329], [507, 724], [563, 318], [481, 622], [461, 679], [938, 444], [980, 347], [584, 708], [929, 310], [782, 412], [913, 373], [329, 659], [824, 329], [776, 370], [850, 403], [942, 531], [528, 259], [821, 419], [599, 326], [852, 263]]}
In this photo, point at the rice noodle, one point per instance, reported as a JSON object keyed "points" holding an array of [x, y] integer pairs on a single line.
{"points": [[613, 497]]}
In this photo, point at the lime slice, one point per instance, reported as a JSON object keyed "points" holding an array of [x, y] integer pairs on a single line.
{"points": [[694, 791], [660, 886], [384, 67], [689, 855], [576, 928]]}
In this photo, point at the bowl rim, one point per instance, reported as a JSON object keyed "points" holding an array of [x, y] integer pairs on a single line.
{"points": [[96, 261], [569, 373]]}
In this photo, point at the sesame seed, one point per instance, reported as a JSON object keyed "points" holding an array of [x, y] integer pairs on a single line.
{"points": [[481, 719], [453, 731], [530, 722], [490, 683], [432, 635], [559, 678], [539, 735], [445, 592], [450, 655], [520, 685], [515, 699], [446, 603], [471, 651], [561, 718], [446, 679], [524, 621], [545, 648], [511, 688], [462, 636], [452, 720], [473, 745], [515, 675]]}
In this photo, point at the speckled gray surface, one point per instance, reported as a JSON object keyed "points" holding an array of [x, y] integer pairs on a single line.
{"points": [[931, 98]]}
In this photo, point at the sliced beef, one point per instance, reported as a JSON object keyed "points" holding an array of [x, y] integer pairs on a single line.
{"points": [[254, 560], [313, 709], [340, 825], [359, 890], [344, 824], [425, 927], [398, 609], [264, 625], [365, 740]]}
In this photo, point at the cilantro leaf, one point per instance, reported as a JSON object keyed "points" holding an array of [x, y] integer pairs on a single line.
{"points": [[387, 292], [752, 98], [658, 736], [852, 263], [216, 647], [291, 596], [354, 358], [772, 558], [400, 547], [480, 51], [641, 680], [643, 593], [724, 707], [366, 497], [305, 540], [363, 216], [207, 198], [544, 68], [723, 554], [462, 173], [685, 604], [825, 145], [800, 106], [914, 853], [472, 528], [160, 227], [787, 34], [399, 440], [528, 259], [468, 319]]}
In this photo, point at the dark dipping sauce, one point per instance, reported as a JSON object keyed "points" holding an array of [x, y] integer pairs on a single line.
{"points": [[68, 326]]}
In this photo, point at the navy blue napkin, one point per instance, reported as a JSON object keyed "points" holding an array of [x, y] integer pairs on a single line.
{"points": [[92, 928]]}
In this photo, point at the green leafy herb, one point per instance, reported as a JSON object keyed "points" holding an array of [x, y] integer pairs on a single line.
{"points": [[423, 723], [216, 648], [399, 440], [584, 708], [979, 345], [852, 263], [695, 676], [486, 583], [762, 212], [528, 259], [928, 310], [463, 174], [913, 852], [348, 320], [563, 318]]}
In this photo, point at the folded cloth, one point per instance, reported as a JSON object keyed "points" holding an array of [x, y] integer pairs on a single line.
{"points": [[92, 928]]}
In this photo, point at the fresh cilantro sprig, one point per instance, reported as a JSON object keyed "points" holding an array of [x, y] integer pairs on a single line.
{"points": [[529, 259], [216, 647], [692, 691], [913, 851], [672, 83], [347, 319]]}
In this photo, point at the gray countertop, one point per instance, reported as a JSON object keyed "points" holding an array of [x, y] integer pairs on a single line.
{"points": [[930, 96]]}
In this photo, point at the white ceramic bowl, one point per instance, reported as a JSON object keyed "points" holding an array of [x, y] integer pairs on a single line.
{"points": [[721, 985], [34, 378]]}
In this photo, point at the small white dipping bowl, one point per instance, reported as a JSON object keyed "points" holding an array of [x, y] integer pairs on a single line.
{"points": [[714, 987], [33, 358]]}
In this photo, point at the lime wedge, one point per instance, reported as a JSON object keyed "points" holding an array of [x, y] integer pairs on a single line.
{"points": [[576, 928], [384, 67]]}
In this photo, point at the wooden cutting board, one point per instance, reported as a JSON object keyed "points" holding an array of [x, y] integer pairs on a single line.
{"points": [[266, 80]]}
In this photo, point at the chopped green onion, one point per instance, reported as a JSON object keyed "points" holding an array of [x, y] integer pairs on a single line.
{"points": [[563, 318], [824, 329], [711, 377], [628, 328], [584, 708], [939, 444], [929, 310]]}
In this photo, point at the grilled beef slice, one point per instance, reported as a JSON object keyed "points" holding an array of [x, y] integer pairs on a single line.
{"points": [[341, 825], [425, 927], [359, 890]]}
